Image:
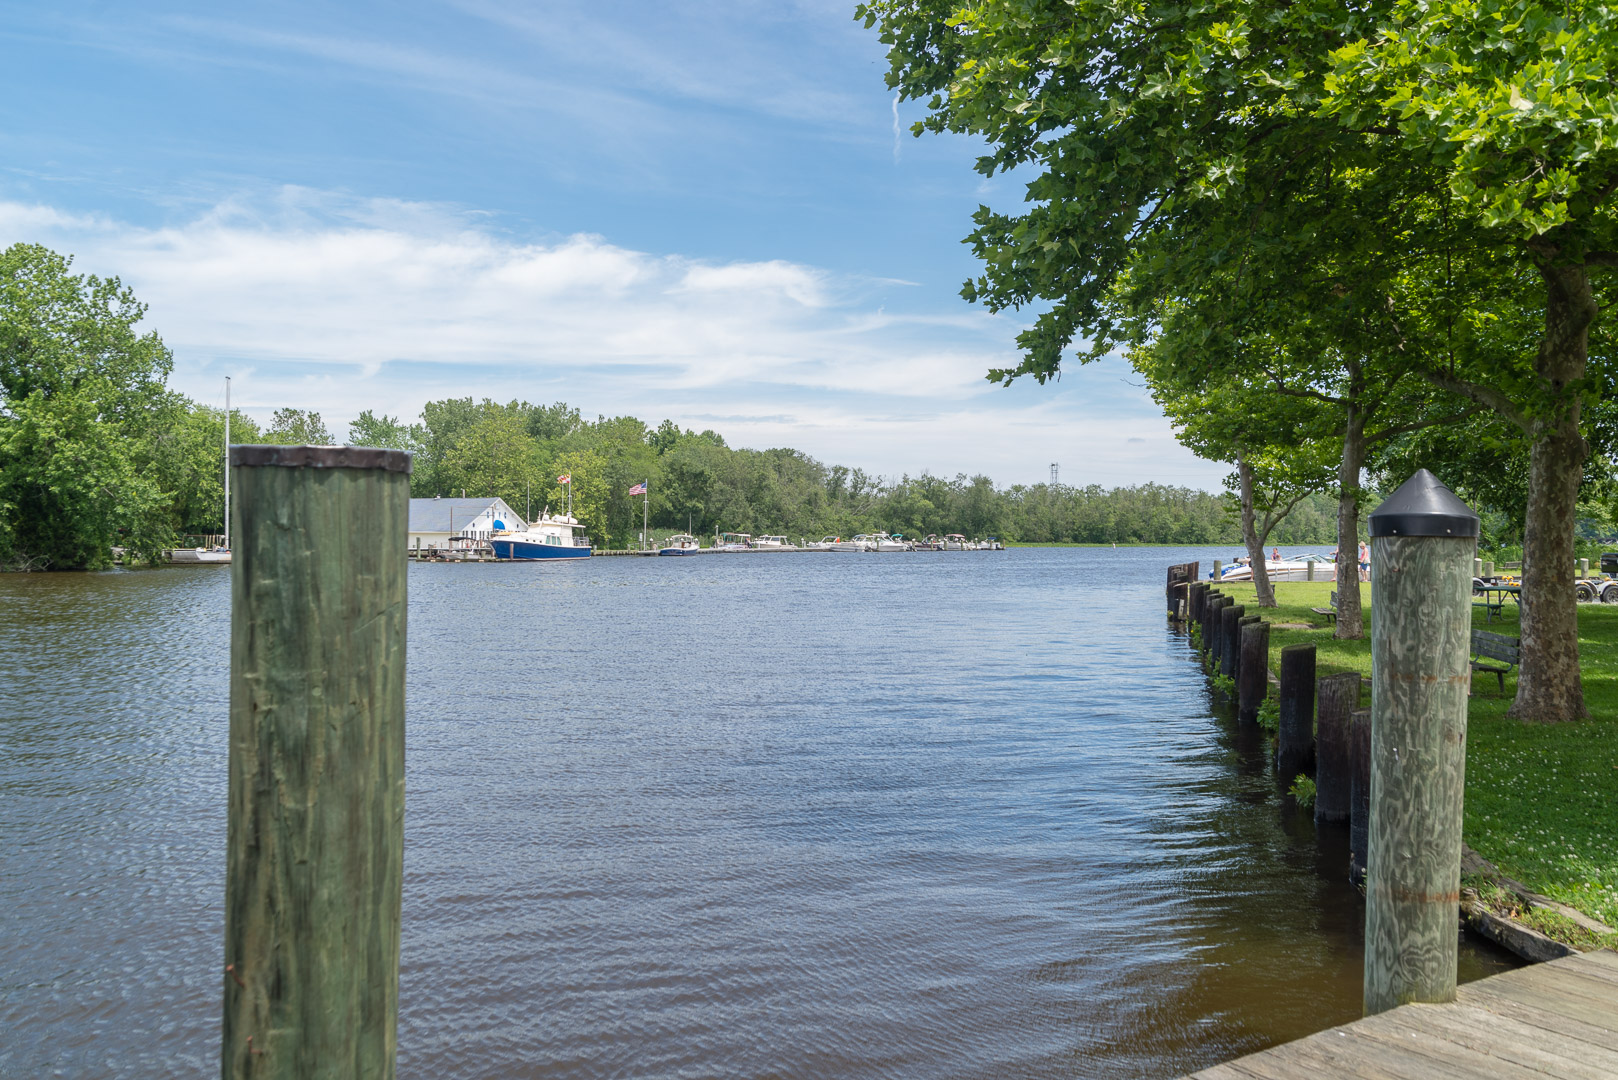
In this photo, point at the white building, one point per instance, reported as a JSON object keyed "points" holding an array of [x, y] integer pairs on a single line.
{"points": [[434, 521]]}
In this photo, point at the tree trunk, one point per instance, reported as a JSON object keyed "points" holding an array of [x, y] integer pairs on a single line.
{"points": [[1548, 686], [1250, 536], [1350, 617]]}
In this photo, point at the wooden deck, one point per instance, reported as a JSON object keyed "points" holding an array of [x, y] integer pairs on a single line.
{"points": [[1558, 1019]]}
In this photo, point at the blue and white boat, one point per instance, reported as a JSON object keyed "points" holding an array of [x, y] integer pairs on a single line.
{"points": [[548, 538], [681, 544]]}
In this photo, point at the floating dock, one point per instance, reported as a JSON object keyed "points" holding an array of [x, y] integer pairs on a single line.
{"points": [[1551, 1020]]}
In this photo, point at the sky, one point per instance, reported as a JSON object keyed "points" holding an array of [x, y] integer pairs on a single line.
{"points": [[710, 212]]}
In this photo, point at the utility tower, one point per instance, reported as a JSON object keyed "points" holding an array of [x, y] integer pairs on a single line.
{"points": [[1056, 473]]}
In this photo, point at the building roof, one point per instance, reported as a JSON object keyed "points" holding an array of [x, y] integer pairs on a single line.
{"points": [[436, 515]]}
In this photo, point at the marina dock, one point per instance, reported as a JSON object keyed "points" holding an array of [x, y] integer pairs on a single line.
{"points": [[1551, 1020]]}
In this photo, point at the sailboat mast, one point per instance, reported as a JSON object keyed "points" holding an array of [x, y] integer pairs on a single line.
{"points": [[227, 462]]}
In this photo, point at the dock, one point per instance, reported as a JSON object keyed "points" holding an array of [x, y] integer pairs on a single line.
{"points": [[1553, 1020]]}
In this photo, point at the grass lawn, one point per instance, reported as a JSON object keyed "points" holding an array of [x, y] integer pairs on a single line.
{"points": [[1541, 800]]}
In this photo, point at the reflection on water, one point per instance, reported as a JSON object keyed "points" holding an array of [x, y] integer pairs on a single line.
{"points": [[949, 814]]}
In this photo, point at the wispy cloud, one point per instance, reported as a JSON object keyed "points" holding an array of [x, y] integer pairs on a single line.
{"points": [[340, 304]]}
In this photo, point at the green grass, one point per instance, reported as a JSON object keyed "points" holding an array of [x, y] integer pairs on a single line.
{"points": [[1541, 799]]}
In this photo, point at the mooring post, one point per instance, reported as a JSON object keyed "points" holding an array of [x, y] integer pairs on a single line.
{"points": [[1309, 570], [1212, 635], [1219, 570], [1236, 658], [1359, 793], [1253, 672], [1229, 617], [315, 832], [1337, 697], [1199, 592], [1295, 737], [1423, 540], [1584, 567]]}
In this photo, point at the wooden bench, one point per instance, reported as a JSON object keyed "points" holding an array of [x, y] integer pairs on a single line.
{"points": [[1495, 653], [1329, 612]]}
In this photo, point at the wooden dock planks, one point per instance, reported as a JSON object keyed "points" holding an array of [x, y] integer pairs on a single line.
{"points": [[1552, 1021]]}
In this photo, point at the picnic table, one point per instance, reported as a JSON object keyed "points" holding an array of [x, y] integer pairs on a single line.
{"points": [[1494, 598]]}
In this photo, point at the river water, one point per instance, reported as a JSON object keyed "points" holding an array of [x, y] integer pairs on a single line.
{"points": [[935, 815]]}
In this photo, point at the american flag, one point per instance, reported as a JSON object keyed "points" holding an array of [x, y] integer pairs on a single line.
{"points": [[565, 478], [638, 489]]}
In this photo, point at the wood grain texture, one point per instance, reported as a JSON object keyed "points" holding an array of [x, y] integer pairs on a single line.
{"points": [[316, 790], [1295, 735], [1421, 623], [1359, 794], [1337, 698], [1555, 1021], [1229, 618]]}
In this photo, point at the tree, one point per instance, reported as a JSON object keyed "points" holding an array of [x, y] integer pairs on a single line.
{"points": [[295, 427], [368, 429], [81, 399]]}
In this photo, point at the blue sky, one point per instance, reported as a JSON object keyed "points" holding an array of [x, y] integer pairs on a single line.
{"points": [[712, 212]]}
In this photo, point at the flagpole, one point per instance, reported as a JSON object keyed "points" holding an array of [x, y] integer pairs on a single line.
{"points": [[645, 509]]}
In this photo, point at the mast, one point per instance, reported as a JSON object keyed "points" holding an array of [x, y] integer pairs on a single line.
{"points": [[227, 462]]}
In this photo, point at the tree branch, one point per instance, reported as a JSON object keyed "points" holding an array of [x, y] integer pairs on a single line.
{"points": [[1405, 429], [1483, 395]]}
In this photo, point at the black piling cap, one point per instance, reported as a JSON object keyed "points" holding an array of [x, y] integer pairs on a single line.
{"points": [[1423, 506]]}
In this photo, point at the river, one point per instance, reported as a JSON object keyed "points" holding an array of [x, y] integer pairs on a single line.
{"points": [[954, 814]]}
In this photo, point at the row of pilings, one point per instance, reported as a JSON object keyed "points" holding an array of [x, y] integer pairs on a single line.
{"points": [[1322, 732]]}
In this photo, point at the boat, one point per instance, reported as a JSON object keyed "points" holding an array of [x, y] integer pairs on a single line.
{"points": [[825, 543], [218, 553], [773, 543], [733, 542], [682, 544], [551, 537], [884, 542], [1291, 568], [957, 542], [995, 544], [862, 542]]}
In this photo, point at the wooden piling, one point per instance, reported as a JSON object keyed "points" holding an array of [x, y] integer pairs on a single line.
{"points": [[1359, 793], [315, 840], [1423, 540], [1295, 737], [1213, 620], [1253, 672], [1199, 593], [1236, 659], [1337, 697], [1229, 616]]}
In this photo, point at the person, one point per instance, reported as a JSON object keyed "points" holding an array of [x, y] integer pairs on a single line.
{"points": [[1365, 561], [1275, 554]]}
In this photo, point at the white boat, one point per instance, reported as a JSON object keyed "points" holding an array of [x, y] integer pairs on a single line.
{"points": [[862, 542], [825, 543], [551, 537], [1292, 568], [773, 543], [957, 542], [733, 542], [884, 542], [682, 544]]}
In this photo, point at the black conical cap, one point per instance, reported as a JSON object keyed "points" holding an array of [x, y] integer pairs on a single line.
{"points": [[1423, 506]]}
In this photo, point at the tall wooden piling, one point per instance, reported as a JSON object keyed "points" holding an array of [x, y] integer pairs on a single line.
{"points": [[1359, 794], [1199, 593], [1212, 634], [1423, 540], [1236, 643], [1229, 617], [1295, 737], [1253, 672], [315, 838], [1337, 697]]}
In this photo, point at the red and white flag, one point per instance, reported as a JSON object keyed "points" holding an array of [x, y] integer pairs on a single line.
{"points": [[638, 489], [565, 478]]}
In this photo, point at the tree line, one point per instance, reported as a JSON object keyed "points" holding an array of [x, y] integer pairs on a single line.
{"points": [[1338, 242], [96, 451]]}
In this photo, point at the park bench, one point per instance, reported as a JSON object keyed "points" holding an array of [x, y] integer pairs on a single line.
{"points": [[1495, 653], [1329, 612]]}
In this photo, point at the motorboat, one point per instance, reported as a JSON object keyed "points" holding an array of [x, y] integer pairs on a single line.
{"points": [[681, 544], [1291, 568], [825, 543], [957, 542], [884, 542], [216, 554], [773, 543], [733, 542], [551, 537], [862, 542]]}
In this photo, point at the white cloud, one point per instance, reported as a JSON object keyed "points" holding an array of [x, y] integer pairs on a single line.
{"points": [[339, 304]]}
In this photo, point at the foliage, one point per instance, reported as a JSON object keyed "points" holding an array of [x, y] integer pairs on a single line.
{"points": [[82, 401], [296, 427], [1269, 715], [1302, 791]]}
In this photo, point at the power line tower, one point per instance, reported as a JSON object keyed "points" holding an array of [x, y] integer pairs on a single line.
{"points": [[1056, 474]]}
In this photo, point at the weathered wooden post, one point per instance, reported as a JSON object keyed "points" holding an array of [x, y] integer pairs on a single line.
{"points": [[1219, 570], [1488, 568], [1423, 540], [1253, 672], [1309, 570], [1295, 738], [1199, 593], [1229, 616], [1477, 567], [1337, 697], [1584, 568], [1359, 793], [315, 836], [1236, 657], [1212, 635]]}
